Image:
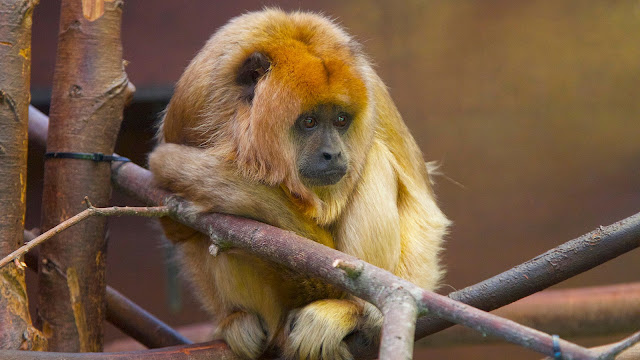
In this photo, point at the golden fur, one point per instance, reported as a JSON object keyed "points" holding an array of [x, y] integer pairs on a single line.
{"points": [[233, 156]]}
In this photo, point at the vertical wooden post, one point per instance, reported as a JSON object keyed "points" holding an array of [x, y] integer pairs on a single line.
{"points": [[16, 331], [89, 92]]}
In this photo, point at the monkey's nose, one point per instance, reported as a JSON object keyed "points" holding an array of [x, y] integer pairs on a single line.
{"points": [[330, 156]]}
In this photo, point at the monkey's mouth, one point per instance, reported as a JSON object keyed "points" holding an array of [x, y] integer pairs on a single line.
{"points": [[324, 178]]}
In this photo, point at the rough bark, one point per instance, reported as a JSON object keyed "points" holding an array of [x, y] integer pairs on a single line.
{"points": [[16, 331], [89, 93]]}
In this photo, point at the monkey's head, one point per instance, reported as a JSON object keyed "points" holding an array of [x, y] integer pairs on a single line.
{"points": [[286, 97]]}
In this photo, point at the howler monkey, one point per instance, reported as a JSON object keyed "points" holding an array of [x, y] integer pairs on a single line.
{"points": [[281, 118]]}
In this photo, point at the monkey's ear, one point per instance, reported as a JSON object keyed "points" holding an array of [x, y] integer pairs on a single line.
{"points": [[252, 70]]}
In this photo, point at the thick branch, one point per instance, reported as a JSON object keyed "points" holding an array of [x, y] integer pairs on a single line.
{"points": [[15, 67], [400, 311], [88, 96], [139, 324]]}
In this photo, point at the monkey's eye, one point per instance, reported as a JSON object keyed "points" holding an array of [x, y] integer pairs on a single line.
{"points": [[341, 121], [309, 122]]}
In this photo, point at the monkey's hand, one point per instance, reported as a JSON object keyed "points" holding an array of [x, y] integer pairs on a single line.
{"points": [[318, 330]]}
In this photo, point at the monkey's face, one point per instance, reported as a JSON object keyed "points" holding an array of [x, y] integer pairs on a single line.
{"points": [[320, 136]]}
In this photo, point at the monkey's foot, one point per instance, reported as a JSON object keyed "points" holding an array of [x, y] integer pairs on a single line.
{"points": [[317, 330], [244, 333]]}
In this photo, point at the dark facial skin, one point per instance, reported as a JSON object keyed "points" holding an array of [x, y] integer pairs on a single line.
{"points": [[319, 135]]}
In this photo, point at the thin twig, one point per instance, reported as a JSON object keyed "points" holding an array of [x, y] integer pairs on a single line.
{"points": [[154, 211]]}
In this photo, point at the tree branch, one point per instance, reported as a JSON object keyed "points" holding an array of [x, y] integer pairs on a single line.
{"points": [[400, 311], [204, 351], [552, 267]]}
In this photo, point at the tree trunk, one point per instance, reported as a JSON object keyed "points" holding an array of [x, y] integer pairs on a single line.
{"points": [[89, 93], [16, 331]]}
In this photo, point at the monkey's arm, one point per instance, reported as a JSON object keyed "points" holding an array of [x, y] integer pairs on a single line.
{"points": [[213, 184]]}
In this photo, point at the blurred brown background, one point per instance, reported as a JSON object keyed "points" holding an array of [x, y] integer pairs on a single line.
{"points": [[532, 106]]}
